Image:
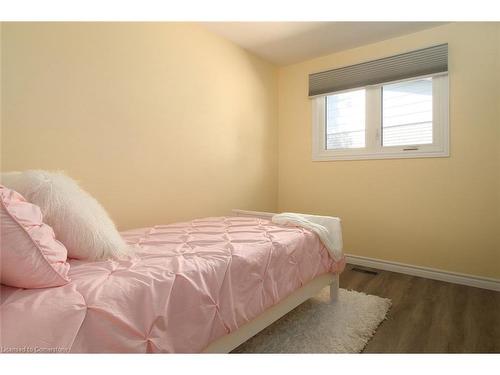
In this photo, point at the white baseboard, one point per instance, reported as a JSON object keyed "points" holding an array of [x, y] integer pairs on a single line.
{"points": [[429, 273]]}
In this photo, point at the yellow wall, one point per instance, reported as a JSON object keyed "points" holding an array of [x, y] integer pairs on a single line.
{"points": [[437, 212], [160, 122]]}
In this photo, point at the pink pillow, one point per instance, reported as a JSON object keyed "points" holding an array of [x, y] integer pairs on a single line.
{"points": [[30, 256]]}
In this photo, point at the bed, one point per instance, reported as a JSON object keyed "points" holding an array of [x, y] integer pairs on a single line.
{"points": [[205, 285]]}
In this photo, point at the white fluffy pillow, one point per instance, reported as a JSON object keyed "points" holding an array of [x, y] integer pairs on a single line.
{"points": [[78, 220]]}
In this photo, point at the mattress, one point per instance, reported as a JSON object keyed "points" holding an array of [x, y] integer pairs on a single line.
{"points": [[188, 285]]}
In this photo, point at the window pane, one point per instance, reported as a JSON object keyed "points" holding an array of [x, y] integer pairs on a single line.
{"points": [[345, 120], [407, 113]]}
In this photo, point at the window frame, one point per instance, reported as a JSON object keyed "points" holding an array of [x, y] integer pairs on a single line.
{"points": [[373, 118]]}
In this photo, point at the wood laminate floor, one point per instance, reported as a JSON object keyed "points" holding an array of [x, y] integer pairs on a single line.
{"points": [[429, 316]]}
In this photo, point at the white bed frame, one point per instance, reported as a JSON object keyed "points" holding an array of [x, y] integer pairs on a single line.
{"points": [[229, 342]]}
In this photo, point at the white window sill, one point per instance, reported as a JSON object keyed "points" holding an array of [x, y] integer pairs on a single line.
{"points": [[379, 155]]}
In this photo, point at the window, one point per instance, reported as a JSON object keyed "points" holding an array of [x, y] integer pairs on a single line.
{"points": [[345, 123], [401, 119], [407, 113]]}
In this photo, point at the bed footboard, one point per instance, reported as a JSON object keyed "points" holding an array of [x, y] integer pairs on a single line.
{"points": [[334, 286], [246, 213]]}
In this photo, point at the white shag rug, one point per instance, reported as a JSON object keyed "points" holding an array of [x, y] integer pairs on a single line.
{"points": [[317, 326]]}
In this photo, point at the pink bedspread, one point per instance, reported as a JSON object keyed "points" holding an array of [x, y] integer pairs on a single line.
{"points": [[190, 284]]}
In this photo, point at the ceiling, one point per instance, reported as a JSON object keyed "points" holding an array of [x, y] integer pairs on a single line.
{"points": [[286, 43]]}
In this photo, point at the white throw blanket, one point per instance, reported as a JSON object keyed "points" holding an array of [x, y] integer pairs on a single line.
{"points": [[326, 227]]}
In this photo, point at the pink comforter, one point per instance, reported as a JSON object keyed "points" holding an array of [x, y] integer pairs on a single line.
{"points": [[189, 284]]}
